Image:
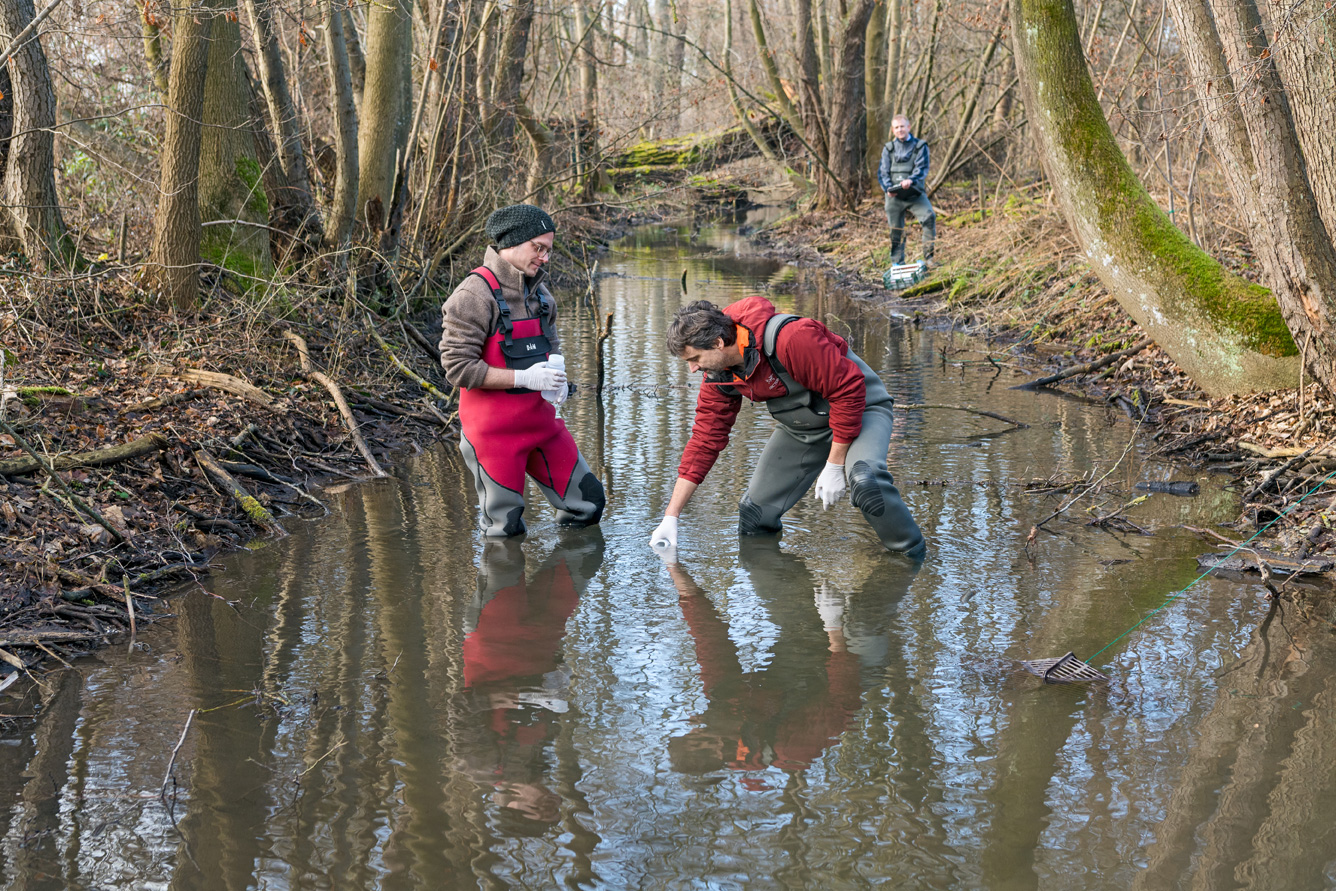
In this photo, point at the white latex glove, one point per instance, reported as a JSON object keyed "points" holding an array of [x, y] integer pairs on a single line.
{"points": [[830, 485], [830, 604], [665, 536], [540, 377], [565, 391]]}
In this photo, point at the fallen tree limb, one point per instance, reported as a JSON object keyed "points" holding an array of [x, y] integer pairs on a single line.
{"points": [[256, 512], [304, 356], [163, 401], [144, 445], [227, 383], [77, 503], [422, 340], [32, 638], [398, 363], [1088, 367], [974, 411]]}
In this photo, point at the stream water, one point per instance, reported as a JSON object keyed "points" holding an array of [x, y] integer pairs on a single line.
{"points": [[380, 701]]}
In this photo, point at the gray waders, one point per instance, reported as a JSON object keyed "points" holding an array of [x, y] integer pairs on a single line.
{"points": [[501, 510], [797, 451]]}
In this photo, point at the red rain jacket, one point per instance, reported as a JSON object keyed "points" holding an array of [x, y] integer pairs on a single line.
{"points": [[813, 355]]}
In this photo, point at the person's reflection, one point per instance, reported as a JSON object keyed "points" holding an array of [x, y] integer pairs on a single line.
{"points": [[514, 677], [786, 713]]}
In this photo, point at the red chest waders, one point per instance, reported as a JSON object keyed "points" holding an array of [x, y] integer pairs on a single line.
{"points": [[508, 433]]}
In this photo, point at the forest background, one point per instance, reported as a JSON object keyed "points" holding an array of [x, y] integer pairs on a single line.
{"points": [[239, 170]]}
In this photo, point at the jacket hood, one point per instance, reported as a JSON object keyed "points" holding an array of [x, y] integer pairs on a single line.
{"points": [[753, 311]]}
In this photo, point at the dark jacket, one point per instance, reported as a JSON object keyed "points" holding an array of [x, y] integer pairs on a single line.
{"points": [[901, 161], [815, 357]]}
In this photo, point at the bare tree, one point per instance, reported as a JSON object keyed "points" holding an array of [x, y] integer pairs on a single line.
{"points": [[1277, 176], [343, 209], [232, 199], [386, 107], [174, 258], [1225, 332], [294, 209], [30, 217]]}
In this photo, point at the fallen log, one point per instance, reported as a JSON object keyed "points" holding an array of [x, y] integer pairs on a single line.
{"points": [[162, 401], [228, 384], [256, 512], [144, 445], [1276, 564], [33, 638]]}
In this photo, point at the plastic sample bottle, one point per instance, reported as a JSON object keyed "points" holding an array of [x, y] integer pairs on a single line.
{"points": [[558, 361]]}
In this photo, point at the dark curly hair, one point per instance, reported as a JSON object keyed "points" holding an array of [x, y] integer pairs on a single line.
{"points": [[699, 324]]}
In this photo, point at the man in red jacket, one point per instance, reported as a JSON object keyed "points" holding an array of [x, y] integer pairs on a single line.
{"points": [[833, 411]]}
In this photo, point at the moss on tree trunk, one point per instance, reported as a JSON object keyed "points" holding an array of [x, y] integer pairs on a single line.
{"points": [[1224, 331]]}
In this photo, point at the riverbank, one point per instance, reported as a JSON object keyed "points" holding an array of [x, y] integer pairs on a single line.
{"points": [[1013, 276], [137, 443]]}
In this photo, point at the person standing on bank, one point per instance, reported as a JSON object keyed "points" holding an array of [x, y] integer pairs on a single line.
{"points": [[499, 345], [833, 411], [903, 176]]}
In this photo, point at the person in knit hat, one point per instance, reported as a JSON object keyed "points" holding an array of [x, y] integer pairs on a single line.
{"points": [[499, 346]]}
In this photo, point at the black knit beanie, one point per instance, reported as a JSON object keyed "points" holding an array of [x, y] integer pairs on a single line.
{"points": [[518, 223]]}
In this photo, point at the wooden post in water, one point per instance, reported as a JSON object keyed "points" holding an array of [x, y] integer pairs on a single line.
{"points": [[598, 352]]}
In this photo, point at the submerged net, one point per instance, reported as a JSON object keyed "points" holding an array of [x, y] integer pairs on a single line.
{"points": [[1066, 670]]}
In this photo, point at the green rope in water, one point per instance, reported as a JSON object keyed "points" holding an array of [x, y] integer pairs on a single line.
{"points": [[1184, 590]]}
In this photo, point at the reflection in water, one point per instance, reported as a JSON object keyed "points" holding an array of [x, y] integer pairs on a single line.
{"points": [[383, 702], [516, 687], [785, 713]]}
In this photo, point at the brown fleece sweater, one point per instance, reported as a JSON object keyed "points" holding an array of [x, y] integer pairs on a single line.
{"points": [[470, 315]]}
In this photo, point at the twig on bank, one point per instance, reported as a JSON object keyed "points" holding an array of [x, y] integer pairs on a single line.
{"points": [[1280, 471], [256, 512], [77, 503], [407, 372], [308, 370], [974, 411], [1088, 367]]}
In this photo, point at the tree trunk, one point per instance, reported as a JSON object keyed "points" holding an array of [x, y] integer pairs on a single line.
{"points": [[343, 208], [31, 214], [874, 84], [174, 257], [1287, 231], [666, 56], [810, 106], [231, 187], [753, 131], [152, 34], [352, 43], [508, 74], [847, 177], [294, 209], [386, 106], [1303, 57], [1225, 332]]}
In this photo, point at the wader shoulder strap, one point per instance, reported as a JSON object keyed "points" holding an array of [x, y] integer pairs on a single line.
{"points": [[770, 348], [505, 324]]}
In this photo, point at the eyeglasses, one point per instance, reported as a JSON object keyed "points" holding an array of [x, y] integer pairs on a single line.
{"points": [[542, 250]]}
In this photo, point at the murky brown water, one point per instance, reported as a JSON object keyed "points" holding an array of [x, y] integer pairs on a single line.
{"points": [[382, 702]]}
